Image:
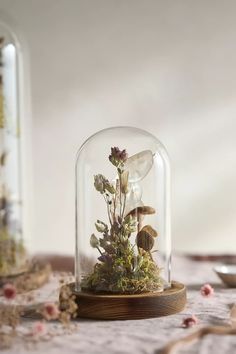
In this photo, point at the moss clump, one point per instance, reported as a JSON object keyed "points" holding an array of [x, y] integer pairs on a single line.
{"points": [[128, 274]]}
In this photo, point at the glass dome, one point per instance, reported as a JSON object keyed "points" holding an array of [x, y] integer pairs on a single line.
{"points": [[12, 247], [123, 241]]}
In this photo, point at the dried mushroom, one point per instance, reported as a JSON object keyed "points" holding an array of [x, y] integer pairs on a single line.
{"points": [[145, 238], [144, 241], [149, 229], [139, 212], [142, 210]]}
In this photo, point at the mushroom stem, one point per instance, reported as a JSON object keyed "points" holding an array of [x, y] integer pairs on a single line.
{"points": [[139, 221], [139, 228], [150, 255]]}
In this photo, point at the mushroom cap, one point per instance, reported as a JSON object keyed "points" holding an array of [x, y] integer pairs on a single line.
{"points": [[143, 210], [144, 240], [150, 230]]}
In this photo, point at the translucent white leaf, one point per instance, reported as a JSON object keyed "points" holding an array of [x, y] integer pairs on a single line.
{"points": [[139, 165], [133, 197]]}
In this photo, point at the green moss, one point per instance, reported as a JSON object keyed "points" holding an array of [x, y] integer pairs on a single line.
{"points": [[126, 273]]}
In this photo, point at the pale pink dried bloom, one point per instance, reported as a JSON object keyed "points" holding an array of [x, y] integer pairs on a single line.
{"points": [[50, 311], [207, 290], [38, 329], [9, 291], [190, 321]]}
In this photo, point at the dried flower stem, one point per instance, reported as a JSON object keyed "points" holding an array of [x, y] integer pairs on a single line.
{"points": [[108, 208], [108, 211], [99, 250], [120, 195], [124, 203], [200, 333], [115, 199]]}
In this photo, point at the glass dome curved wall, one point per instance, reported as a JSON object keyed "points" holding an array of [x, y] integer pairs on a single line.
{"points": [[12, 245], [123, 240]]}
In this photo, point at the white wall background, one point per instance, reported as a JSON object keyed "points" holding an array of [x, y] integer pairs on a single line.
{"points": [[167, 66]]}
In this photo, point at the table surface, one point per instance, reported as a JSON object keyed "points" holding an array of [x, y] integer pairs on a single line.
{"points": [[147, 336]]}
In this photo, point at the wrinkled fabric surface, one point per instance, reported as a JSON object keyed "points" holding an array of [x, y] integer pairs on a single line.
{"points": [[148, 336]]}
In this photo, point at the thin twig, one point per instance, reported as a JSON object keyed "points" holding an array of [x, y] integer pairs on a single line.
{"points": [[108, 210], [99, 250], [120, 196], [200, 333], [115, 198]]}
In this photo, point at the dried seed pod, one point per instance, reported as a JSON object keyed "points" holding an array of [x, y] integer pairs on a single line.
{"points": [[94, 242], [144, 240], [149, 229]]}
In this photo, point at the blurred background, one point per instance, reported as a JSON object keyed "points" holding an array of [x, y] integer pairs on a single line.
{"points": [[165, 66]]}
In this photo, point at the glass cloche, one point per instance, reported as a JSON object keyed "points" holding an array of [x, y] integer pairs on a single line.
{"points": [[13, 257], [123, 241]]}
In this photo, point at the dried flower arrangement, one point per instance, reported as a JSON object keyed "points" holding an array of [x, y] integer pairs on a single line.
{"points": [[13, 256], [12, 251], [125, 263], [12, 314]]}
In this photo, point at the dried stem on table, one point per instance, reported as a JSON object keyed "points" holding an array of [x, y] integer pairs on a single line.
{"points": [[174, 345]]}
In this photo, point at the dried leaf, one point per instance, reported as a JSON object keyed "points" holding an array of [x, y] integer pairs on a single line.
{"points": [[94, 242], [101, 226]]}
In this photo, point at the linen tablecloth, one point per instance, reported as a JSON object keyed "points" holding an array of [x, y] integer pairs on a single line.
{"points": [[147, 336]]}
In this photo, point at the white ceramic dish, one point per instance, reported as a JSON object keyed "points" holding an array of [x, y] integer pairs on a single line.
{"points": [[227, 273]]}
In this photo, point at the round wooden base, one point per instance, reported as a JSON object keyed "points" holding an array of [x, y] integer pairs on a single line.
{"points": [[131, 307], [36, 275]]}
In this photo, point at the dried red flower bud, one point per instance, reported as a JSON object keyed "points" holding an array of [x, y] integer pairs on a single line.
{"points": [[50, 311], [190, 321], [117, 156], [9, 291], [207, 290]]}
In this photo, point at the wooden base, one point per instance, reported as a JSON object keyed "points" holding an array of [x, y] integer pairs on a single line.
{"points": [[130, 307], [37, 275]]}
